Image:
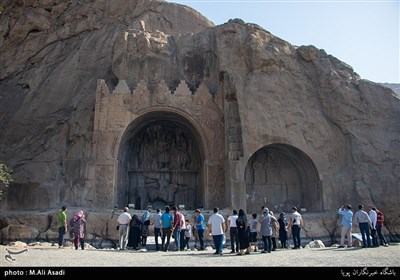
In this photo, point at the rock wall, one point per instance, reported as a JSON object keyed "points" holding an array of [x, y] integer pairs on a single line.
{"points": [[52, 53]]}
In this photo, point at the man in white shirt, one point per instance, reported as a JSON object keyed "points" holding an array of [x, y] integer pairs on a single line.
{"points": [[216, 223], [124, 220], [295, 224], [233, 232], [374, 217]]}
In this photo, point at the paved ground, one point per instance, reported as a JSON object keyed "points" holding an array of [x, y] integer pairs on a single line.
{"points": [[51, 256]]}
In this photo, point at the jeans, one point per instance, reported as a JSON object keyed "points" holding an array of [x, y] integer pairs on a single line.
{"points": [[267, 243], [61, 232], [218, 243], [296, 236], [364, 229], [177, 236]]}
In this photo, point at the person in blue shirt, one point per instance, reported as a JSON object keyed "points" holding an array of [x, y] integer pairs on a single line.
{"points": [[347, 223], [200, 226], [166, 222]]}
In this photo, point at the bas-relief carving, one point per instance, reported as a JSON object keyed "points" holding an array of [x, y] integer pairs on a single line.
{"points": [[105, 184], [164, 167], [155, 165], [216, 185], [279, 180]]}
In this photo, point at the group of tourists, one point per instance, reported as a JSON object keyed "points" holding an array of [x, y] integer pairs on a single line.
{"points": [[77, 228], [243, 233], [370, 225]]}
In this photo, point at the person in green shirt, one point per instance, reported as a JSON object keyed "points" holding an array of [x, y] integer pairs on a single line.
{"points": [[62, 225]]}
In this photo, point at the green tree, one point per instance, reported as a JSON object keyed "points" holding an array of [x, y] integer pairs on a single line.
{"points": [[5, 179]]}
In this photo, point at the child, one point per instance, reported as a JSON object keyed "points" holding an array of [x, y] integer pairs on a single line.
{"points": [[188, 234], [253, 232]]}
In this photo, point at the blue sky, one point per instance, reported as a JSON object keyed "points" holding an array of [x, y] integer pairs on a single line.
{"points": [[364, 34]]}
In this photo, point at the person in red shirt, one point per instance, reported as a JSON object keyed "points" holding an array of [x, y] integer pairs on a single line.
{"points": [[379, 224]]}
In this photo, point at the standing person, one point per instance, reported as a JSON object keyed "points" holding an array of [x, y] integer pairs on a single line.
{"points": [[253, 232], [183, 233], [295, 224], [379, 224], [233, 232], [62, 225], [216, 224], [144, 230], [200, 226], [266, 230], [275, 230], [243, 233], [373, 216], [135, 232], [347, 224], [157, 228], [124, 220], [283, 229], [78, 229], [176, 228], [188, 234], [166, 221], [364, 223]]}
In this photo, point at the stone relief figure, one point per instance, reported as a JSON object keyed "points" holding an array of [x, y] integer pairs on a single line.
{"points": [[182, 150], [259, 172], [163, 151]]}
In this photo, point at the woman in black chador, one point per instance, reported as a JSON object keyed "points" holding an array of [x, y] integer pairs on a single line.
{"points": [[283, 229], [243, 233], [134, 232]]}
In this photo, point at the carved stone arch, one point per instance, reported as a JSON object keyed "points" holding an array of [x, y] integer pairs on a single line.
{"points": [[161, 159], [280, 176]]}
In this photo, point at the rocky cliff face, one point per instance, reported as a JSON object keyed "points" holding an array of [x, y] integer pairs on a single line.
{"points": [[53, 52], [394, 87]]}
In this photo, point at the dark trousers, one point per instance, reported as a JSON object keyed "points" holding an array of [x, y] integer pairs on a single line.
{"points": [[267, 243], [364, 229], [182, 243], [233, 232], [79, 240], [61, 232], [186, 243], [156, 235], [374, 236], [166, 233], [381, 237], [296, 236], [273, 239], [200, 233]]}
